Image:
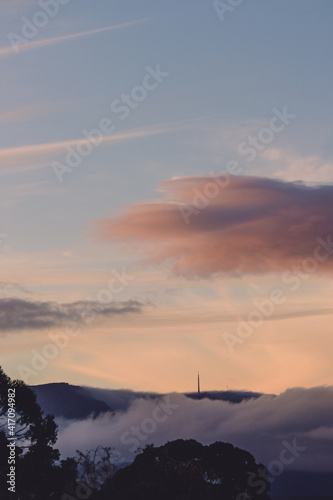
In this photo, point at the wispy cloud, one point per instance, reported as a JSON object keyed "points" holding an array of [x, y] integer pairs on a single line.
{"points": [[24, 113], [6, 51], [22, 158], [17, 314], [8, 287], [34, 110]]}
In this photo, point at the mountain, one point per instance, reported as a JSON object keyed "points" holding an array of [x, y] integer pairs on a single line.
{"points": [[68, 401], [231, 396], [76, 402]]}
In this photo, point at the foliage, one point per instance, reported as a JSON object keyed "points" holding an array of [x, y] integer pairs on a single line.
{"points": [[184, 470], [39, 474]]}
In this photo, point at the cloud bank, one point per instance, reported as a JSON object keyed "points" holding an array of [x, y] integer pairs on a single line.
{"points": [[259, 425], [233, 225], [17, 314]]}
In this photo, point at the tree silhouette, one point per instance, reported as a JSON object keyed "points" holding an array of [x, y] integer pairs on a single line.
{"points": [[95, 466], [39, 474], [186, 469]]}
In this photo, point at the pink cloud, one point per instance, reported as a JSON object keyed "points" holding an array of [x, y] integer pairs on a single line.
{"points": [[234, 225]]}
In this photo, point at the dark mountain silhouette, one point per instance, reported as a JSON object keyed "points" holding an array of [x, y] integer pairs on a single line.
{"points": [[68, 401], [76, 402], [231, 396]]}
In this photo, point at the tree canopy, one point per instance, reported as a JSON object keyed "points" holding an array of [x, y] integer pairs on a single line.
{"points": [[186, 469]]}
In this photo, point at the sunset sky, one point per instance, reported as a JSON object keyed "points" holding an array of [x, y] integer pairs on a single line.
{"points": [[166, 193]]}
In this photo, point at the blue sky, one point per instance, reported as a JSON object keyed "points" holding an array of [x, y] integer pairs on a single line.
{"points": [[223, 79]]}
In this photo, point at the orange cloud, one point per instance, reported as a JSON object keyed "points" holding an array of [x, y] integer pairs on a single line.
{"points": [[233, 225]]}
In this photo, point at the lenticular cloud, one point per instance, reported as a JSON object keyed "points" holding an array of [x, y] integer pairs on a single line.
{"points": [[229, 224]]}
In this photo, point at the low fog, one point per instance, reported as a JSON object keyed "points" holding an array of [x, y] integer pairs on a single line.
{"points": [[298, 419]]}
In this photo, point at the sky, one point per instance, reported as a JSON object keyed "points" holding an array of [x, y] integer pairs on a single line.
{"points": [[166, 184]]}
